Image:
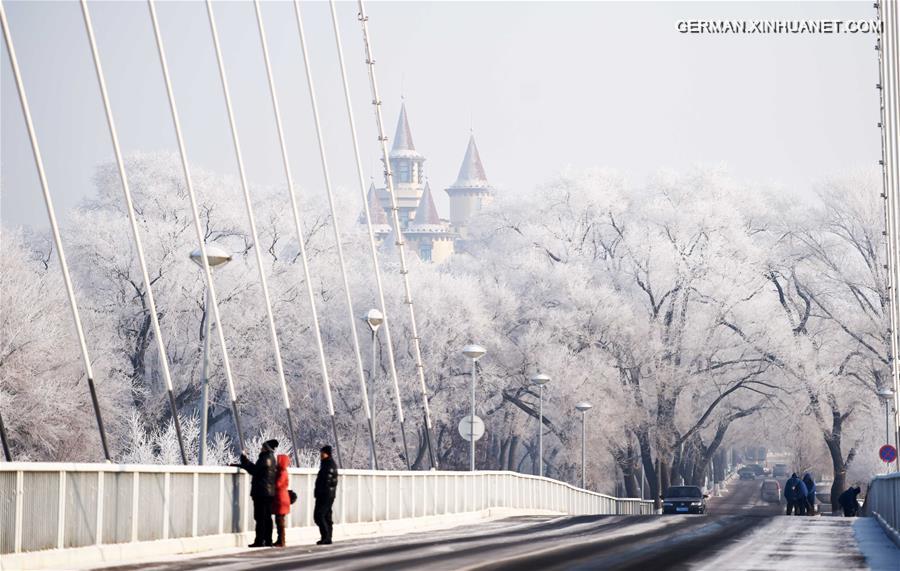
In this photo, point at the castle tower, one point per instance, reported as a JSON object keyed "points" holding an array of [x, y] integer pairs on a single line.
{"points": [[407, 166], [470, 192], [429, 236]]}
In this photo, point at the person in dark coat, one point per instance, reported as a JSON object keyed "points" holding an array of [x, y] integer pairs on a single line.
{"points": [[795, 493], [848, 501], [324, 493], [281, 503], [262, 490], [810, 494]]}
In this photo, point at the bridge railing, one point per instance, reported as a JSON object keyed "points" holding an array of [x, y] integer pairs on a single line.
{"points": [[883, 502], [57, 506]]}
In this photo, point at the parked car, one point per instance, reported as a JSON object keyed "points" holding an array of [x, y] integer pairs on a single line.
{"points": [[757, 469], [684, 500], [780, 471], [770, 491]]}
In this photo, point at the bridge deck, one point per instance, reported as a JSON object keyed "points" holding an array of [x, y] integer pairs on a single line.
{"points": [[742, 534]]}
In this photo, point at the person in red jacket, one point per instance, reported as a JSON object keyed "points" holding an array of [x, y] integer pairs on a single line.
{"points": [[281, 501]]}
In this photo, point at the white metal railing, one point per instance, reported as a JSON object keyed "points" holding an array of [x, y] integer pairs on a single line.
{"points": [[55, 506], [883, 499]]}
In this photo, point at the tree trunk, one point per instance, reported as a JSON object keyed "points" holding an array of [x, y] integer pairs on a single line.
{"points": [[649, 469]]}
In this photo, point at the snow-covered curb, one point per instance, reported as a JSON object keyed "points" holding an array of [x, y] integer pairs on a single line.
{"points": [[892, 533]]}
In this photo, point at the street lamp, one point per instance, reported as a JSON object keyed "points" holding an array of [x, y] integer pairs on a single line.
{"points": [[216, 257], [887, 395], [373, 319], [540, 380], [583, 407], [473, 352]]}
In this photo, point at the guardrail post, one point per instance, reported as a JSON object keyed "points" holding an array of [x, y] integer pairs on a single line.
{"points": [[194, 503], [61, 524], [221, 503], [100, 507], [166, 506], [20, 494], [135, 512]]}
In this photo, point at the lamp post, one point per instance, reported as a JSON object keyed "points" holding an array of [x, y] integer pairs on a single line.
{"points": [[583, 407], [473, 352], [887, 396], [540, 380], [373, 319], [217, 257]]}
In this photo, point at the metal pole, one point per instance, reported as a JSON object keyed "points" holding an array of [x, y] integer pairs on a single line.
{"points": [[204, 384], [54, 229], [541, 431], [372, 388], [3, 439], [583, 455], [472, 424]]}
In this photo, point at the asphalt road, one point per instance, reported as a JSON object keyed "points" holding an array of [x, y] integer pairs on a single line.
{"points": [[739, 529]]}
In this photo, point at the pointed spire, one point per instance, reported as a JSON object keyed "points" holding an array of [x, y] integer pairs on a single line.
{"points": [[471, 172], [376, 211], [426, 213], [403, 141]]}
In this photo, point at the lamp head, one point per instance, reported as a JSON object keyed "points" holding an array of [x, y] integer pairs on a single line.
{"points": [[374, 318], [584, 406], [474, 352], [540, 379], [215, 255]]}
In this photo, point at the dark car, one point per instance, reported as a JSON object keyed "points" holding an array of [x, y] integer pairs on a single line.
{"points": [[780, 471], [747, 473], [757, 469], [684, 500], [770, 491]]}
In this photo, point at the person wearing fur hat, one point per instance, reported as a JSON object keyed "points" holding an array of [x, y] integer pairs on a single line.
{"points": [[324, 492], [262, 490]]}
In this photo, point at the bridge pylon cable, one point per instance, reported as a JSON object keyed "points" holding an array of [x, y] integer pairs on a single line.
{"points": [[392, 367], [248, 206], [351, 316], [889, 92], [54, 229], [135, 231], [4, 441], [198, 227], [301, 240], [395, 219]]}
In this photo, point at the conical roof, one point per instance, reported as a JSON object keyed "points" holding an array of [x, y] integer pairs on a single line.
{"points": [[403, 141], [471, 172], [427, 213], [376, 212]]}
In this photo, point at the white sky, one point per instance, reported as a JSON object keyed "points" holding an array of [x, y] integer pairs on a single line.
{"points": [[544, 84]]}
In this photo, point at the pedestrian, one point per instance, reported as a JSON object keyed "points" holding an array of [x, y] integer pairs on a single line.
{"points": [[795, 493], [324, 492], [281, 502], [262, 490], [848, 501], [810, 493]]}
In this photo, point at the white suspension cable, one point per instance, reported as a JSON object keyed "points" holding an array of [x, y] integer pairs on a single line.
{"points": [[389, 178], [198, 227], [248, 204], [132, 219], [54, 228], [372, 246], [334, 225], [892, 90], [295, 209]]}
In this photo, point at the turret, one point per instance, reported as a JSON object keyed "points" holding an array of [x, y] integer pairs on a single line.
{"points": [[470, 192]]}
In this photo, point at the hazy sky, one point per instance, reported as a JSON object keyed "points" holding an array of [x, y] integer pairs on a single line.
{"points": [[545, 85]]}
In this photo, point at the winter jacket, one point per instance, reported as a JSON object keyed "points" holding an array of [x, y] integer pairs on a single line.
{"points": [[848, 501], [795, 489], [264, 473], [326, 479], [810, 487], [281, 502]]}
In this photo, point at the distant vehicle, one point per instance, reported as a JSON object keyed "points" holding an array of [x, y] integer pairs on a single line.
{"points": [[684, 500], [757, 469], [747, 473], [770, 491], [780, 471]]}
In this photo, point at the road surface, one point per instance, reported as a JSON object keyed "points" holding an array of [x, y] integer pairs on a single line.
{"points": [[741, 533]]}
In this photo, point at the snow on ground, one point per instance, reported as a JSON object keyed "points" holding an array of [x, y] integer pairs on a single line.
{"points": [[792, 543], [880, 552]]}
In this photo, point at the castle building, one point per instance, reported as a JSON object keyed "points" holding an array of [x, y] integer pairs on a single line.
{"points": [[431, 237]]}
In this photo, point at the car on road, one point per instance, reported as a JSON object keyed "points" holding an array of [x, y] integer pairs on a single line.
{"points": [[770, 491], [747, 473], [780, 471], [684, 500]]}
